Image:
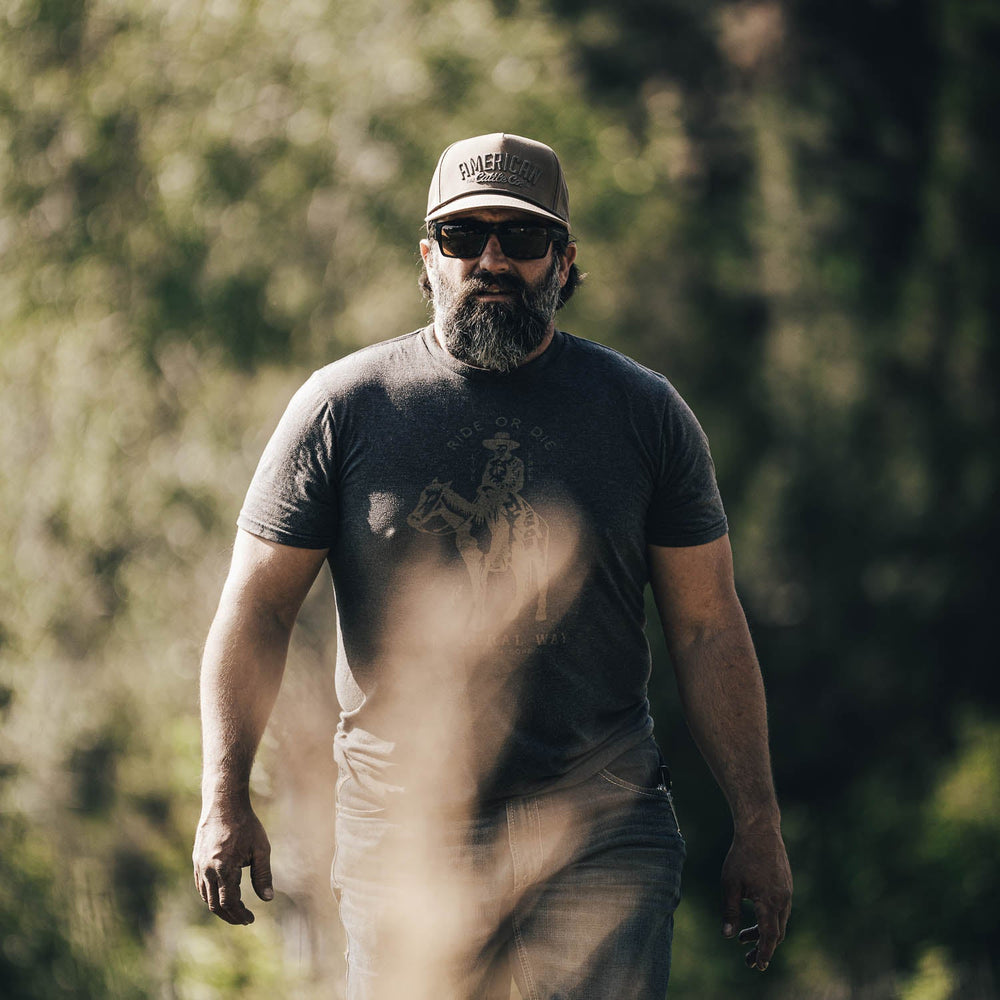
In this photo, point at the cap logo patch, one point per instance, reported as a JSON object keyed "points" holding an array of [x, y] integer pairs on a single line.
{"points": [[500, 168]]}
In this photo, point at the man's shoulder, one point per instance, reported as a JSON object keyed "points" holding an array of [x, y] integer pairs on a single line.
{"points": [[606, 362], [375, 361], [376, 368]]}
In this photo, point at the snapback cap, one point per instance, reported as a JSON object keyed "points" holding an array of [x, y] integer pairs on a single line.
{"points": [[499, 171]]}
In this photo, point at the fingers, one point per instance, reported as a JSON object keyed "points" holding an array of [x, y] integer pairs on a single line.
{"points": [[220, 888], [746, 935], [224, 846], [756, 869], [731, 898], [783, 915], [768, 935], [753, 958], [260, 874]]}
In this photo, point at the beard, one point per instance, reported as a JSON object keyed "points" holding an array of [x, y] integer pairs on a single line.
{"points": [[494, 335]]}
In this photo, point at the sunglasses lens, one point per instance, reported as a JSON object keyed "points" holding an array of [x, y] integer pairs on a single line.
{"points": [[462, 240], [468, 239], [524, 242]]}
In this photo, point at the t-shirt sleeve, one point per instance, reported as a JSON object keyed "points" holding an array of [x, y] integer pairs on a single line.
{"points": [[292, 497], [686, 508]]}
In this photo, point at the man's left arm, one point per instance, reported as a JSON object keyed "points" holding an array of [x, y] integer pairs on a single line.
{"points": [[722, 694]]}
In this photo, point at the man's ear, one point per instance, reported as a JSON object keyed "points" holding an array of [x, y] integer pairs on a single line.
{"points": [[568, 257], [425, 251]]}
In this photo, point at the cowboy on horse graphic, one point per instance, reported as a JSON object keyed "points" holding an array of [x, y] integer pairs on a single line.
{"points": [[497, 532]]}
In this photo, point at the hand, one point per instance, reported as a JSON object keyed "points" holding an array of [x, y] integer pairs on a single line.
{"points": [[225, 844], [756, 869]]}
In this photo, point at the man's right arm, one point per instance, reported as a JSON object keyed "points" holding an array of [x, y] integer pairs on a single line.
{"points": [[241, 673]]}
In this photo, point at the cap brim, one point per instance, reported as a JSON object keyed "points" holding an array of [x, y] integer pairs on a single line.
{"points": [[487, 200]]}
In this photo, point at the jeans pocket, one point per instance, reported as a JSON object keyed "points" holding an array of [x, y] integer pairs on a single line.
{"points": [[640, 770], [354, 798]]}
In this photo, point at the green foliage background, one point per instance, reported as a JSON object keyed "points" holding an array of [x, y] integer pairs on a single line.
{"points": [[787, 207]]}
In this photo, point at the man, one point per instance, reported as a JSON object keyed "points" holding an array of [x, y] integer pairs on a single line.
{"points": [[502, 808]]}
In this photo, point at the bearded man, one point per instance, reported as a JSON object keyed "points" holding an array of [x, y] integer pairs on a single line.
{"points": [[502, 806]]}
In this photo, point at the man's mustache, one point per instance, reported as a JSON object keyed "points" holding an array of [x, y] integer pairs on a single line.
{"points": [[485, 281]]}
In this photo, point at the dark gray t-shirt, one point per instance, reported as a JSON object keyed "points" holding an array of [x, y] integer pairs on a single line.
{"points": [[487, 539]]}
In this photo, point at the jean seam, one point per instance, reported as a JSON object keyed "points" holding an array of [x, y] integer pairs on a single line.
{"points": [[522, 958], [520, 882], [670, 799], [335, 885], [516, 867], [538, 840], [653, 793], [347, 965]]}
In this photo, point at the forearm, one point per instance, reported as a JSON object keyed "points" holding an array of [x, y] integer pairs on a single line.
{"points": [[723, 698], [241, 673]]}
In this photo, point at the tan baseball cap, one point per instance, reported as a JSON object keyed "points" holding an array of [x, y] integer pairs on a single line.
{"points": [[499, 171]]}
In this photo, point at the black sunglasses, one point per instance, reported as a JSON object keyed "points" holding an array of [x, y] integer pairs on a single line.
{"points": [[518, 240]]}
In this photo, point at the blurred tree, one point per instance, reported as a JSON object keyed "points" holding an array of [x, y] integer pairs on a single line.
{"points": [[38, 958]]}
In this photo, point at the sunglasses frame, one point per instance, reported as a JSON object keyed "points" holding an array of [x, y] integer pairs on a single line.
{"points": [[555, 234]]}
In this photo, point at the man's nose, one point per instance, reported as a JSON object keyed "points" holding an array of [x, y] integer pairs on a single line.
{"points": [[493, 258]]}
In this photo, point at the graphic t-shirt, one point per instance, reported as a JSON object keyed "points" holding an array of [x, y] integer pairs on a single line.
{"points": [[487, 537]]}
